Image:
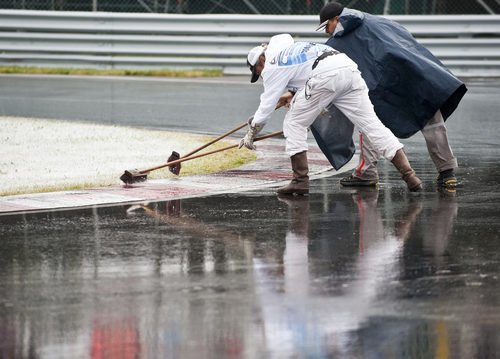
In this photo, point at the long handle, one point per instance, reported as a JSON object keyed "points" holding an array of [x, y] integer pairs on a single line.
{"points": [[205, 154], [217, 139]]}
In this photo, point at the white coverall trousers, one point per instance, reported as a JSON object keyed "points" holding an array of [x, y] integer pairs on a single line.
{"points": [[336, 80]]}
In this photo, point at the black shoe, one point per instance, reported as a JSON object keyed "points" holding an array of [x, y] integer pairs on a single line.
{"points": [[358, 182], [447, 178]]}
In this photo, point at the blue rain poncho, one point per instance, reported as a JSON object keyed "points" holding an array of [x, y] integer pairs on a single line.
{"points": [[407, 83]]}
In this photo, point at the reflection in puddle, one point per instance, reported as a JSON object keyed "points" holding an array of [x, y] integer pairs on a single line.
{"points": [[355, 274]]}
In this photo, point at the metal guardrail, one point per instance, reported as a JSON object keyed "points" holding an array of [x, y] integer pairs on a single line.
{"points": [[468, 44]]}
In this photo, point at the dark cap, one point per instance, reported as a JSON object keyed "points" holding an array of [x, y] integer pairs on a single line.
{"points": [[329, 11]]}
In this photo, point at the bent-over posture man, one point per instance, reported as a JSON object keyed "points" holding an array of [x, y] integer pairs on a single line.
{"points": [[321, 76], [411, 90]]}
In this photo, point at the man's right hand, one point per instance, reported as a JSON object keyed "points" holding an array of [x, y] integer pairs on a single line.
{"points": [[252, 133]]}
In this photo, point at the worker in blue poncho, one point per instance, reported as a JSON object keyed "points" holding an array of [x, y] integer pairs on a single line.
{"points": [[409, 87]]}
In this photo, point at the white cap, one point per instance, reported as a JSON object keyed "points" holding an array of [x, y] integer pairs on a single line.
{"points": [[253, 57]]}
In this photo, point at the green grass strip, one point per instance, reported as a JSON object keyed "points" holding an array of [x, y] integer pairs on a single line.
{"points": [[94, 72]]}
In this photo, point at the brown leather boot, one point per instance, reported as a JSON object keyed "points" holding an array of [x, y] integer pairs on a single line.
{"points": [[300, 181], [400, 161]]}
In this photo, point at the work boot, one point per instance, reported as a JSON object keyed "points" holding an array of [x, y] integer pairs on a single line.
{"points": [[300, 181], [447, 178], [353, 181], [400, 161]]}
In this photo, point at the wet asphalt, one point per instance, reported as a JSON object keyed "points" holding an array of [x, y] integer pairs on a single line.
{"points": [[341, 273], [205, 105]]}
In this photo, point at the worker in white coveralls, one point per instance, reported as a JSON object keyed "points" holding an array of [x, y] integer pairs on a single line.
{"points": [[318, 75]]}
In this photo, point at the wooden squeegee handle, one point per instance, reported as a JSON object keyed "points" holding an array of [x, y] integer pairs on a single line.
{"points": [[217, 139], [205, 153]]}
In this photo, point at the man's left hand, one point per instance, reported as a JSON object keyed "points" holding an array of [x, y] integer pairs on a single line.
{"points": [[285, 100]]}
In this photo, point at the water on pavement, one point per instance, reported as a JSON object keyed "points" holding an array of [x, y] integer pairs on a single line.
{"points": [[339, 273], [358, 273]]}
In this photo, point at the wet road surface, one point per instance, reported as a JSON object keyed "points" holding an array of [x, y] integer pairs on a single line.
{"points": [[340, 273], [205, 105]]}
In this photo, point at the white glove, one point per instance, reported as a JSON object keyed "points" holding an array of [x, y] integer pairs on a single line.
{"points": [[252, 133]]}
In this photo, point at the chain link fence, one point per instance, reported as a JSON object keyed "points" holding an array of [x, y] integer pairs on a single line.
{"points": [[278, 7]]}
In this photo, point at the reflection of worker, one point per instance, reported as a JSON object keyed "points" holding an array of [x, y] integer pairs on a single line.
{"points": [[295, 260], [437, 232], [285, 324], [410, 89], [329, 77], [295, 318], [371, 227]]}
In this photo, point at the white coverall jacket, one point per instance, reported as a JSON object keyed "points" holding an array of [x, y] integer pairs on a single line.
{"points": [[335, 79]]}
